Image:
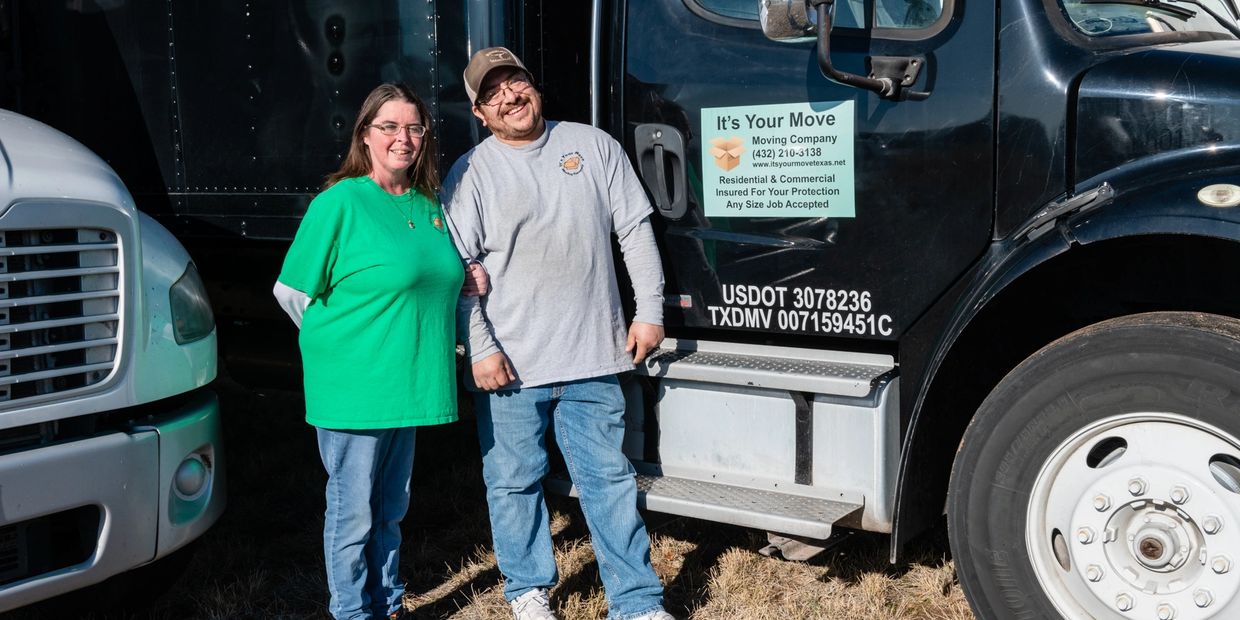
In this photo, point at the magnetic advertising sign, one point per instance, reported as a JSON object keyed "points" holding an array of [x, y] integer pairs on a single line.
{"points": [[781, 160]]}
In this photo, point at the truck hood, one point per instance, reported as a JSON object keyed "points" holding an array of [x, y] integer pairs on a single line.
{"points": [[1158, 100], [37, 161]]}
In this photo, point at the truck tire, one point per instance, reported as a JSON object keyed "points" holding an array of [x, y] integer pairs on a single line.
{"points": [[1101, 477]]}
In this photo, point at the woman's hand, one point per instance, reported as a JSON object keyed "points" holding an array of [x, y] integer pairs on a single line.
{"points": [[477, 282]]}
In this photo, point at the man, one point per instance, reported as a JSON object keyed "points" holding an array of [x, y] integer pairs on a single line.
{"points": [[537, 203]]}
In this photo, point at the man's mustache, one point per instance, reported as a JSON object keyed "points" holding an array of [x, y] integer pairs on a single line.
{"points": [[518, 101]]}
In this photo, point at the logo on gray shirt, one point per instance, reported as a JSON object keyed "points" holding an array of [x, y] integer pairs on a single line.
{"points": [[572, 163]]}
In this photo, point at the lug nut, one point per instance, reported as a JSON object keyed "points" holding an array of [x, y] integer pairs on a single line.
{"points": [[1123, 602], [1221, 564], [1136, 486], [1165, 612], [1179, 494], [1203, 598], [1085, 535], [1212, 524], [1094, 573], [1101, 502]]}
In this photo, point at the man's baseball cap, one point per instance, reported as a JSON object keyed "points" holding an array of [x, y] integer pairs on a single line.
{"points": [[483, 62]]}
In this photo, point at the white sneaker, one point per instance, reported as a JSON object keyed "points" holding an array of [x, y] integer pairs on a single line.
{"points": [[533, 605], [658, 614]]}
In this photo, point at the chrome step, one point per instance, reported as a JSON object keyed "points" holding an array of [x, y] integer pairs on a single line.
{"points": [[785, 513], [840, 373]]}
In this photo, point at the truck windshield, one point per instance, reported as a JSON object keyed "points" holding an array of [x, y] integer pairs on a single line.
{"points": [[1109, 18]]}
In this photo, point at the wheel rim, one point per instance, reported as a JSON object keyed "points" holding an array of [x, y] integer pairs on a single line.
{"points": [[1138, 516]]}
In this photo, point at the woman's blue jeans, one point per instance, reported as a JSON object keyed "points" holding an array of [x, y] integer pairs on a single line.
{"points": [[589, 428], [367, 496]]}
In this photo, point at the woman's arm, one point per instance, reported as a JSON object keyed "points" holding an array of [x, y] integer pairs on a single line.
{"points": [[292, 301]]}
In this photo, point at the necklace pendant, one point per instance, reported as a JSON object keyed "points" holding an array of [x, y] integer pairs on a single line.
{"points": [[410, 223]]}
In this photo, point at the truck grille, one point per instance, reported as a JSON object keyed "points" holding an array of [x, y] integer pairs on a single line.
{"points": [[59, 309], [12, 560]]}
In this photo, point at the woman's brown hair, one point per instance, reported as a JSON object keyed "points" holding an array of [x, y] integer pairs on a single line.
{"points": [[423, 174]]}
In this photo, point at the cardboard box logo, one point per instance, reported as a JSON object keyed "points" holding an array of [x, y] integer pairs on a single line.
{"points": [[571, 163], [727, 152]]}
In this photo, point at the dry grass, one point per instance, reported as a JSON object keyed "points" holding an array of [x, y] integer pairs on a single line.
{"points": [[263, 560]]}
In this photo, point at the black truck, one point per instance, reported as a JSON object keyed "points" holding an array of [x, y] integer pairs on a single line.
{"points": [[923, 257]]}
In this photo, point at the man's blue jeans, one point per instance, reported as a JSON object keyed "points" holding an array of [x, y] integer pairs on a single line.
{"points": [[367, 496], [589, 428]]}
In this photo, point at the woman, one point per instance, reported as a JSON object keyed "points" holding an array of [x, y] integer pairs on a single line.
{"points": [[372, 280]]}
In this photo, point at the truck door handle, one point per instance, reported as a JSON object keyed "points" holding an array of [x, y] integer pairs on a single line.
{"points": [[661, 162], [660, 170]]}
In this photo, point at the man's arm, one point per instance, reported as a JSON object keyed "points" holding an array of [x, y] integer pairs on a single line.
{"points": [[641, 259], [630, 215], [491, 369]]}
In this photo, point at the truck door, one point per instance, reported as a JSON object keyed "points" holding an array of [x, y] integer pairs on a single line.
{"points": [[792, 204]]}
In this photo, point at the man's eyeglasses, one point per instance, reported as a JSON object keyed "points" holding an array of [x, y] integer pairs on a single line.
{"points": [[517, 84], [391, 129]]}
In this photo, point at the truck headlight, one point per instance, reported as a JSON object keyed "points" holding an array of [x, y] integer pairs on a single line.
{"points": [[191, 311]]}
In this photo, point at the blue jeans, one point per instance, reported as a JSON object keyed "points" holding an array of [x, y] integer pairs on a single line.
{"points": [[367, 496], [589, 427]]}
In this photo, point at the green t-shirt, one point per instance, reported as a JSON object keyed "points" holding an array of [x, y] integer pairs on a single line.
{"points": [[378, 338]]}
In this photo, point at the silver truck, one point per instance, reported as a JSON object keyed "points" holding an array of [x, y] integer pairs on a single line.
{"points": [[110, 453]]}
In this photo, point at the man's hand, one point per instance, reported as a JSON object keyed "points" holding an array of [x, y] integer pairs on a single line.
{"points": [[477, 281], [643, 338], [493, 372]]}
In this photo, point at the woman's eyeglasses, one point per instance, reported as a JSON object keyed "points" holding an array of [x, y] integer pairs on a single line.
{"points": [[391, 129]]}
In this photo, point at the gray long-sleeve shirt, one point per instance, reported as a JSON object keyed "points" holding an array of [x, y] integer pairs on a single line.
{"points": [[540, 218]]}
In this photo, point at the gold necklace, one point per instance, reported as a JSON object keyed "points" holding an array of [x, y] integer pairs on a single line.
{"points": [[408, 195]]}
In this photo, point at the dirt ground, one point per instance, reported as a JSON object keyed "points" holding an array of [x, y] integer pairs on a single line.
{"points": [[264, 558]]}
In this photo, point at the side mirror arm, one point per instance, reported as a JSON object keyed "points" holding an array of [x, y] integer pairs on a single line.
{"points": [[885, 87]]}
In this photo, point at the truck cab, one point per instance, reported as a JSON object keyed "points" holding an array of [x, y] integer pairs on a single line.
{"points": [[110, 443], [928, 257]]}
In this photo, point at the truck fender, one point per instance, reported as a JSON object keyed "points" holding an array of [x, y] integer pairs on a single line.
{"points": [[1141, 203]]}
